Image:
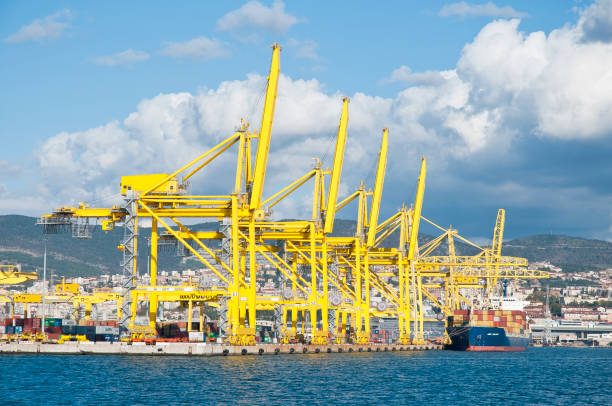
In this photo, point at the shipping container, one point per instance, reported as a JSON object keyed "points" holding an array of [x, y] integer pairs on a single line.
{"points": [[53, 322], [106, 330], [86, 330], [197, 336], [53, 329]]}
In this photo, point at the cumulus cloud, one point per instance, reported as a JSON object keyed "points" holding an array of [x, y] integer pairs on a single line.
{"points": [[127, 57], [596, 21], [256, 15], [464, 9], [510, 90], [47, 28], [198, 48], [554, 84], [406, 75]]}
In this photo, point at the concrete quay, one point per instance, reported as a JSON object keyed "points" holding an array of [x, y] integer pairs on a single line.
{"points": [[198, 349]]}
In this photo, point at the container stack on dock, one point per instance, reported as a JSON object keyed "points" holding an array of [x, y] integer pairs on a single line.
{"points": [[92, 330], [382, 336], [178, 331]]}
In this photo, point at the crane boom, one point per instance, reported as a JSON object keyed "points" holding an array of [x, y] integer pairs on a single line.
{"points": [[334, 182], [263, 146], [498, 233], [418, 204], [378, 186]]}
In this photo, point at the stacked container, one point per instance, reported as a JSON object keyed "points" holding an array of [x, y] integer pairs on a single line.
{"points": [[513, 321]]}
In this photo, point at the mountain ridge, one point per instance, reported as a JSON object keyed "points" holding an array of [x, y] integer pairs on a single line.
{"points": [[21, 242]]}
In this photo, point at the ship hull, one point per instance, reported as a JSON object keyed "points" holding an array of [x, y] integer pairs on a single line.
{"points": [[471, 338]]}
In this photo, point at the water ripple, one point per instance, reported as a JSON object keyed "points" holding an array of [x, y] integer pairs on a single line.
{"points": [[539, 376]]}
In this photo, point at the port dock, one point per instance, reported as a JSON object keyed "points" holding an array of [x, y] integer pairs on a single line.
{"points": [[199, 349], [259, 279]]}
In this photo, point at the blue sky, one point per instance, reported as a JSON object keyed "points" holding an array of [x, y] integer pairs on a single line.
{"points": [[509, 101]]}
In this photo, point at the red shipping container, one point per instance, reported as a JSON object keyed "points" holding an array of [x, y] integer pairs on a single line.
{"points": [[53, 336], [53, 329]]}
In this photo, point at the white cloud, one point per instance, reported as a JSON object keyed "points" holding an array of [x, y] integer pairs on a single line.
{"points": [[20, 203], [48, 28], [596, 21], [401, 74], [170, 129], [199, 48], [554, 85], [507, 83], [304, 49], [254, 14], [406, 75], [464, 9], [127, 57]]}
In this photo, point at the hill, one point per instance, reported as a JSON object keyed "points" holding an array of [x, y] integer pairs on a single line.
{"points": [[573, 254], [21, 242]]}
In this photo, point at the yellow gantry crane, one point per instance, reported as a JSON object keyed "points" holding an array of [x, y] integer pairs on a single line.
{"points": [[163, 200], [12, 275], [468, 278], [323, 274]]}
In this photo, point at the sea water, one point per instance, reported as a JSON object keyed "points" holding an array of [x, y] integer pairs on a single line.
{"points": [[538, 376]]}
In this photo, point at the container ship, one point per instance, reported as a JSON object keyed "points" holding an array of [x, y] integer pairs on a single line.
{"points": [[488, 330]]}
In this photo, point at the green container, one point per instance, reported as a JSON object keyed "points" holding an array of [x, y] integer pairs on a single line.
{"points": [[53, 322]]}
